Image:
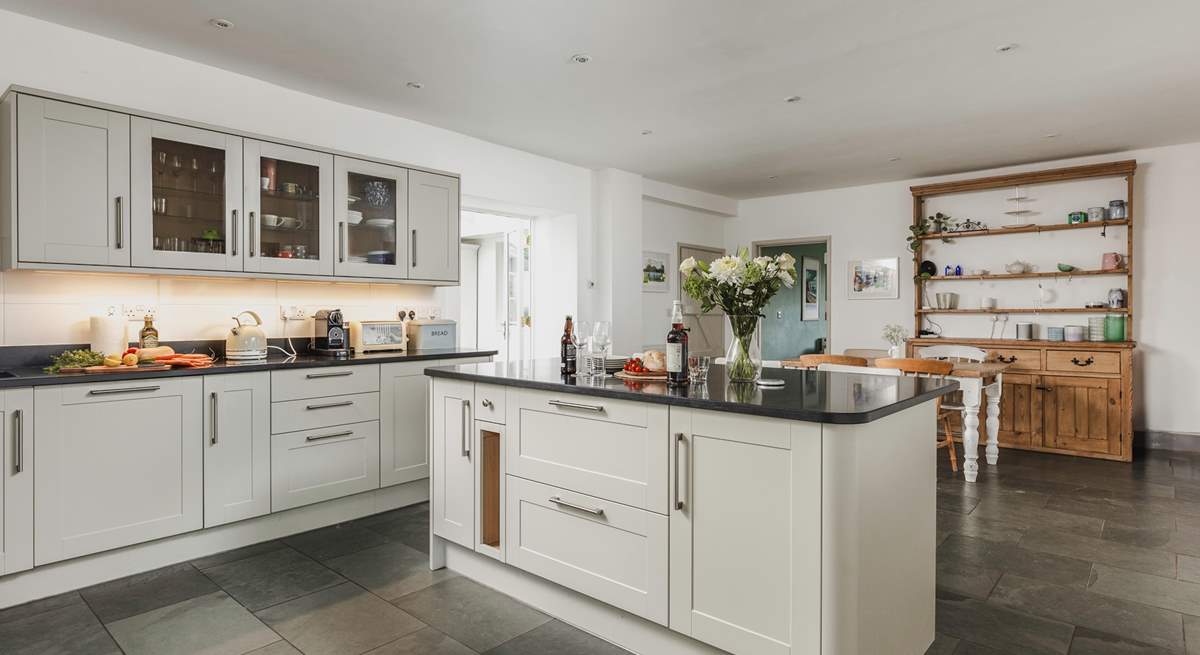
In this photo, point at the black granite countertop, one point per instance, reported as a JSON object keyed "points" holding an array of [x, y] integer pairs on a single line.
{"points": [[30, 376], [815, 396]]}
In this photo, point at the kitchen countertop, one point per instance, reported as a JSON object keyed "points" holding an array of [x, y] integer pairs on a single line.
{"points": [[815, 396], [27, 376]]}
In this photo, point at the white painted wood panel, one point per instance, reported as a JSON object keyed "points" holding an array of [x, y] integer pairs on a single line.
{"points": [[404, 422], [315, 465], [324, 381], [453, 488], [237, 447], [117, 463], [490, 402], [73, 164], [292, 415], [433, 226], [16, 480], [618, 555]]}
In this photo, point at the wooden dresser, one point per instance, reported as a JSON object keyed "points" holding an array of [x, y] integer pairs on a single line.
{"points": [[1073, 398]]}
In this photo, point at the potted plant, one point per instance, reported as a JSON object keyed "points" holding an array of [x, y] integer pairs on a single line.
{"points": [[741, 286], [931, 225]]}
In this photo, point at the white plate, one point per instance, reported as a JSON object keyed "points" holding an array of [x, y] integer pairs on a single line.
{"points": [[379, 222]]}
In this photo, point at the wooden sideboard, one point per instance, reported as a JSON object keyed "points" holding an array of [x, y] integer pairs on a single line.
{"points": [[1072, 398]]}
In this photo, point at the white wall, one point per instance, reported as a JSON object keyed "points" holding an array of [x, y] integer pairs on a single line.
{"points": [[44, 55], [871, 221], [664, 227]]}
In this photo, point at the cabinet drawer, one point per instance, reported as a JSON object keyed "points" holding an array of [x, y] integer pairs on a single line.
{"points": [[489, 402], [324, 381], [322, 412], [1083, 361], [1022, 359], [618, 452], [315, 465], [602, 549]]}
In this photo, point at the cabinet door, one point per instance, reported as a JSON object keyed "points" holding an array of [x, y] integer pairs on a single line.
{"points": [[316, 465], [371, 214], [16, 480], [433, 226], [237, 447], [118, 463], [1020, 411], [404, 422], [453, 485], [289, 209], [73, 186], [1081, 414], [186, 197]]}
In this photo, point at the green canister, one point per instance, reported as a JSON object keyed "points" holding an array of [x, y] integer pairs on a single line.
{"points": [[1114, 327]]}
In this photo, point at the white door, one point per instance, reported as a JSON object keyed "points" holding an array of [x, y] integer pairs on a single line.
{"points": [[371, 219], [186, 197], [118, 463], [404, 406], [237, 447], [517, 285], [16, 480], [289, 209], [73, 187], [453, 486], [746, 511], [433, 226]]}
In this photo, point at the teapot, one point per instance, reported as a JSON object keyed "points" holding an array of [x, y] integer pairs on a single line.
{"points": [[1017, 267]]}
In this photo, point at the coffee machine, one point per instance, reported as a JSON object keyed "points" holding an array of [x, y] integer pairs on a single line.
{"points": [[329, 334]]}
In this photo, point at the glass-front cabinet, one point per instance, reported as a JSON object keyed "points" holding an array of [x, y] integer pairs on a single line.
{"points": [[289, 209], [371, 213], [185, 197]]}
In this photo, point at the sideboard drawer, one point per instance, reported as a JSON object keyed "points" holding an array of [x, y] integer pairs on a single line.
{"points": [[1022, 359], [322, 412], [324, 381], [315, 465], [1083, 361], [602, 549], [489, 402]]}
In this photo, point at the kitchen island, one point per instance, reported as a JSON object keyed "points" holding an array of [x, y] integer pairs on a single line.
{"points": [[753, 520]]}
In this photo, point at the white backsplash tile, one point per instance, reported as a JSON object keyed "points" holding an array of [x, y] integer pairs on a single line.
{"points": [[324, 294], [215, 291], [81, 288]]}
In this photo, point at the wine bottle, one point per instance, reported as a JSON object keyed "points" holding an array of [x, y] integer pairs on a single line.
{"points": [[568, 355], [677, 348]]}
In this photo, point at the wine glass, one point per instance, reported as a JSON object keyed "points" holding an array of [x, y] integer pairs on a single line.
{"points": [[601, 343]]}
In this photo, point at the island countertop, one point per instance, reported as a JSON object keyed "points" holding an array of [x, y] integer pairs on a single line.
{"points": [[814, 396]]}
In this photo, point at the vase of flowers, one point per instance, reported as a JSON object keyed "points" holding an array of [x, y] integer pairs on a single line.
{"points": [[895, 336], [741, 286]]}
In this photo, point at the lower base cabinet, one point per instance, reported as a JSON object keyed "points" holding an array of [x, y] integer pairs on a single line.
{"points": [[310, 466], [237, 447], [16, 480], [453, 488], [118, 463]]}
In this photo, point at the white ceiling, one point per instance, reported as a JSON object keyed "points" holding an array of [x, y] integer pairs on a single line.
{"points": [[918, 79]]}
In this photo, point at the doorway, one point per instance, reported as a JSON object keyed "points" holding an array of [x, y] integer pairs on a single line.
{"points": [[797, 319], [495, 303], [706, 330]]}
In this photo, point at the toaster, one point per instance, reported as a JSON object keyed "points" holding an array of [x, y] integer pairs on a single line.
{"points": [[373, 336], [429, 333]]}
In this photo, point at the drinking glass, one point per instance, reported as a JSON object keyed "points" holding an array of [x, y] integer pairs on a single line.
{"points": [[698, 368], [601, 345]]}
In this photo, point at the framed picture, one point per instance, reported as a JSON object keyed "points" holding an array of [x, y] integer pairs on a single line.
{"points": [[872, 279], [654, 272], [810, 273]]}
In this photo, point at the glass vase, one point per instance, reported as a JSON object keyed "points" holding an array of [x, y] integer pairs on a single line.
{"points": [[743, 358]]}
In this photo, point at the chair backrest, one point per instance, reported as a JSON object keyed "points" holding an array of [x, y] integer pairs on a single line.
{"points": [[815, 360], [952, 353], [866, 353], [863, 370], [916, 367]]}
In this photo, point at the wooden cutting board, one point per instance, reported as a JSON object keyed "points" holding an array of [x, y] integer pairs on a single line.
{"points": [[115, 369], [644, 377]]}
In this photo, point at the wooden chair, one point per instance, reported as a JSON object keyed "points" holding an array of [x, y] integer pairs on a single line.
{"points": [[815, 360], [860, 370], [930, 368]]}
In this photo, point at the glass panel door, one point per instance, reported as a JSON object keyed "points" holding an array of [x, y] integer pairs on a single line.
{"points": [[372, 219], [289, 211], [185, 200]]}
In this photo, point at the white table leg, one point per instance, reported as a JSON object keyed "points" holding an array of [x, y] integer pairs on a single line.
{"points": [[993, 392], [971, 390]]}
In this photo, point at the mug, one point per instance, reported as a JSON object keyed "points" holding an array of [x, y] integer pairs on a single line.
{"points": [[266, 183], [987, 303], [290, 188], [1112, 261], [1025, 331]]}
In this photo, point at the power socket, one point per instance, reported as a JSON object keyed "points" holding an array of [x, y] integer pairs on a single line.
{"points": [[292, 313], [139, 311]]}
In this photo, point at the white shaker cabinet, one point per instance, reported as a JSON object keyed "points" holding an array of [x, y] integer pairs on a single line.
{"points": [[433, 226], [72, 193], [288, 194], [16, 480], [118, 463], [371, 219], [454, 469], [237, 447]]}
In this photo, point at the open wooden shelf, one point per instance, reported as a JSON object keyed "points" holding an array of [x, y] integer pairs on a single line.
{"points": [[1025, 229], [985, 342], [1023, 276], [1030, 310]]}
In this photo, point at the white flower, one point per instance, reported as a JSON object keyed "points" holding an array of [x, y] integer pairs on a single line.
{"points": [[763, 262], [687, 266], [727, 269], [786, 262], [748, 291], [786, 278]]}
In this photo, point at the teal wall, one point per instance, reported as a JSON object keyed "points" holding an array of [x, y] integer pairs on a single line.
{"points": [[789, 336]]}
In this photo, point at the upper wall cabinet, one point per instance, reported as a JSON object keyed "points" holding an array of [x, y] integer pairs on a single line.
{"points": [[73, 184], [371, 212], [186, 198], [289, 206], [433, 223]]}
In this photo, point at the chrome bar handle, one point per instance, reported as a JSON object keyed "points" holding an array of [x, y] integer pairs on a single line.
{"points": [[120, 222], [569, 405], [212, 412], [19, 437], [598, 511], [105, 392], [330, 374], [344, 403], [342, 242], [466, 429], [343, 433], [253, 225], [678, 501], [413, 247], [234, 234]]}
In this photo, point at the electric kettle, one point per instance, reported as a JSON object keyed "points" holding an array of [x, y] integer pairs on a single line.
{"points": [[246, 341]]}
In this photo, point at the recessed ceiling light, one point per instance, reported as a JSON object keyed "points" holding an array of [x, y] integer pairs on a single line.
{"points": [[581, 58], [221, 23], [414, 85], [1006, 47], [791, 99], [893, 159], [647, 132], [1051, 135], [772, 177]]}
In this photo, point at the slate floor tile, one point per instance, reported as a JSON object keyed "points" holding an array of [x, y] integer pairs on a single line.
{"points": [[68, 630], [942, 645], [1094, 642], [341, 620], [1189, 568], [1191, 633], [1002, 509], [29, 609], [978, 621], [205, 563], [976, 526], [956, 503], [471, 613], [1134, 558], [1110, 509], [1152, 590], [1169, 539], [272, 577], [213, 624], [407, 525], [334, 541], [280, 647], [389, 571], [425, 641], [556, 637], [115, 600], [1151, 625], [967, 552]]}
